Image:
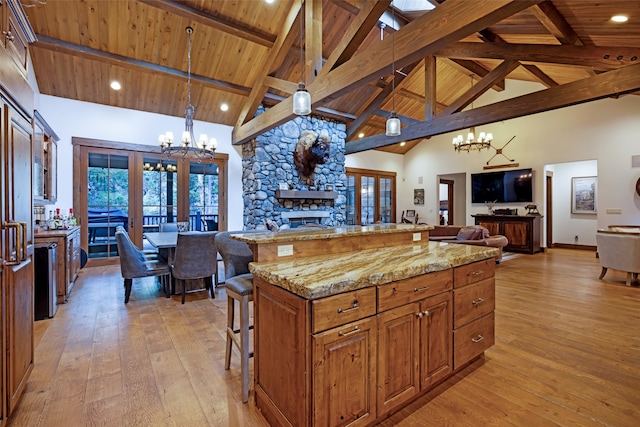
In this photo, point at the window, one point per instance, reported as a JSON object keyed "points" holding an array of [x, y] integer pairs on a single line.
{"points": [[370, 196]]}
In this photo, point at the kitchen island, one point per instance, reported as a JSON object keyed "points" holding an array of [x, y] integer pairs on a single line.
{"points": [[348, 337]]}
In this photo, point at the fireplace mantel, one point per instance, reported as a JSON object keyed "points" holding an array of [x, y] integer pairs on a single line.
{"points": [[306, 194]]}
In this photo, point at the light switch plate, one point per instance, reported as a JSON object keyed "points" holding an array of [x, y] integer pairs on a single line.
{"points": [[285, 250], [417, 237], [614, 211]]}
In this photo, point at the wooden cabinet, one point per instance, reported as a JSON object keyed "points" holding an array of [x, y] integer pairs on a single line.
{"points": [[344, 372], [17, 345], [414, 349], [45, 161], [522, 232], [68, 258], [473, 318]]}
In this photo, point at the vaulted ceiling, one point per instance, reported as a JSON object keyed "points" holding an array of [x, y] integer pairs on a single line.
{"points": [[247, 52]]}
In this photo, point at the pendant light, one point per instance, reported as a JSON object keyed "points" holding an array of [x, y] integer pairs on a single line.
{"points": [[393, 122], [301, 97]]}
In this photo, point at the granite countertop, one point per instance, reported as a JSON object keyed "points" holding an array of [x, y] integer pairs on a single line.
{"points": [[327, 233], [321, 276]]}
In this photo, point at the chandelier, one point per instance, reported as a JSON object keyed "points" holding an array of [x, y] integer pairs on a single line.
{"points": [[203, 147], [471, 143]]}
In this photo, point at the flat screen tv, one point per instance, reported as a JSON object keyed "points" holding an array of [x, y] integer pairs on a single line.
{"points": [[512, 186]]}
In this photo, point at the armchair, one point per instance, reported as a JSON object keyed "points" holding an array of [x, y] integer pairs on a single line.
{"points": [[619, 250]]}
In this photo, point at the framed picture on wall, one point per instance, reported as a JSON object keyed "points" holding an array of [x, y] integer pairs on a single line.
{"points": [[583, 194], [418, 196]]}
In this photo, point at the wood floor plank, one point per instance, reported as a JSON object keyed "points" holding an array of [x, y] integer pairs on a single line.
{"points": [[567, 353]]}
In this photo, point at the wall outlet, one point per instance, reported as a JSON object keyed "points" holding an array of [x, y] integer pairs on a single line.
{"points": [[576, 238], [417, 237], [285, 250], [614, 211]]}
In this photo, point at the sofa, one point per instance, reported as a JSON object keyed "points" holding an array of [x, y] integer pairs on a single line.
{"points": [[468, 235], [619, 249]]}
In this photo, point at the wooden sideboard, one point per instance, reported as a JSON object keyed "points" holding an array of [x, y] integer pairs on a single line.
{"points": [[68, 261], [522, 231]]}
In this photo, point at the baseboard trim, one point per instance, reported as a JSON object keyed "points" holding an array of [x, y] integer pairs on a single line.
{"points": [[579, 247]]}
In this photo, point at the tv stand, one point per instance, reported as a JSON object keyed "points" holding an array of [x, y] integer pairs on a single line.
{"points": [[522, 231]]}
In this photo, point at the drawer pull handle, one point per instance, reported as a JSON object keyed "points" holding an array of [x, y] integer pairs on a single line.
{"points": [[422, 289], [478, 339], [9, 36], [422, 314], [477, 273], [355, 306], [346, 334], [477, 301]]}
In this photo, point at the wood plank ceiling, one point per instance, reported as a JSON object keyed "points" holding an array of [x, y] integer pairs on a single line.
{"points": [[247, 52]]}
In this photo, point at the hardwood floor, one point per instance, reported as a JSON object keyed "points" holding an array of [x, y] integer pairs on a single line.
{"points": [[567, 353]]}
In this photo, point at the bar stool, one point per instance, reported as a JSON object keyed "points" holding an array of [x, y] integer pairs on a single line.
{"points": [[239, 288], [236, 256]]}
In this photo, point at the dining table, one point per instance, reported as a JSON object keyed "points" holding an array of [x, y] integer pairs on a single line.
{"points": [[166, 242]]}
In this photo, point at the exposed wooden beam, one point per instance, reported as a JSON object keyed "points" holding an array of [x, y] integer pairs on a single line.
{"points": [[360, 27], [323, 111], [233, 28], [313, 39], [599, 57], [357, 124], [540, 75], [89, 53], [555, 23], [258, 90], [478, 70], [600, 86], [452, 21], [281, 85], [406, 120], [430, 100], [498, 73]]}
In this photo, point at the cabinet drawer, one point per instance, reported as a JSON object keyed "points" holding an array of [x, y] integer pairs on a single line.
{"points": [[413, 289], [474, 272], [343, 308], [473, 339], [473, 301]]}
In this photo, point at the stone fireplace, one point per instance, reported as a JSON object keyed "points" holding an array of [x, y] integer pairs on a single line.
{"points": [[272, 187]]}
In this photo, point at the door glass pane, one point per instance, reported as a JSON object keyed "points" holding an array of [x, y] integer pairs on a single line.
{"points": [[385, 199], [367, 200], [159, 192], [203, 196], [351, 200], [107, 202]]}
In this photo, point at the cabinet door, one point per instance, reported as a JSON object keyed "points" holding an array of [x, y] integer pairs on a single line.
{"points": [[398, 370], [436, 341], [517, 233], [344, 371], [493, 227]]}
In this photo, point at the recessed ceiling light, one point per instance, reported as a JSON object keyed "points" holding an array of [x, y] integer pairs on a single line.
{"points": [[115, 85], [269, 1], [361, 135], [619, 18], [224, 106], [402, 144]]}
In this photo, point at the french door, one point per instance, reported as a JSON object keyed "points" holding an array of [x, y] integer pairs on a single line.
{"points": [[123, 185], [370, 196]]}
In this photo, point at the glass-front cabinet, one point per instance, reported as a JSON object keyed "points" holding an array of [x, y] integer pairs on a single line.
{"points": [[45, 161]]}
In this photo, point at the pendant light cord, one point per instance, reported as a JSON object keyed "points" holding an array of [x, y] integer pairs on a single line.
{"points": [[393, 60], [189, 31], [301, 62]]}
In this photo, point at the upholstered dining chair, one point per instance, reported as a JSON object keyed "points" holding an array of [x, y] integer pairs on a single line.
{"points": [[167, 226], [196, 258], [149, 254], [133, 264], [236, 256]]}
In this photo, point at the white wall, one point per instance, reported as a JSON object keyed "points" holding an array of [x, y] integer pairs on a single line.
{"points": [[70, 118], [566, 226], [606, 131]]}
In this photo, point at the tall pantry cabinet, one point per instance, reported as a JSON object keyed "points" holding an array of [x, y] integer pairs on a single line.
{"points": [[16, 218]]}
